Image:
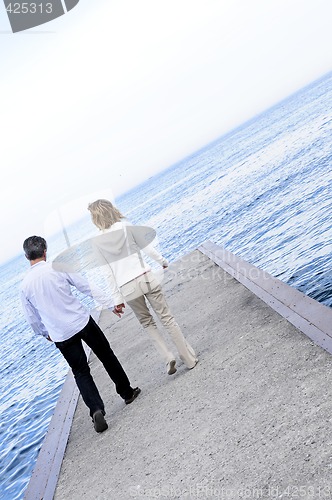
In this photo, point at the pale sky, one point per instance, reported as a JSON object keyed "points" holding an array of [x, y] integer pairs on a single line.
{"points": [[116, 91]]}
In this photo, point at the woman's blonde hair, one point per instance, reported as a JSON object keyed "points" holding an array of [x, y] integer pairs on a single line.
{"points": [[104, 214]]}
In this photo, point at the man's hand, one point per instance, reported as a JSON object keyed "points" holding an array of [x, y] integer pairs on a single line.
{"points": [[118, 310]]}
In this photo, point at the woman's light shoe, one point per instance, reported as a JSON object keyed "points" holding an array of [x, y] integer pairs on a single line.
{"points": [[171, 368], [196, 361]]}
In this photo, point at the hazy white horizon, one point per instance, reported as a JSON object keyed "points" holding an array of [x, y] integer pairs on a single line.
{"points": [[112, 93]]}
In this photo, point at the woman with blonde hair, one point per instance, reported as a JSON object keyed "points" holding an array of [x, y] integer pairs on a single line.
{"points": [[132, 280]]}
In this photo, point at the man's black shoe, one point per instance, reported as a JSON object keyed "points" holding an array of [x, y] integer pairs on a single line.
{"points": [[99, 421], [136, 392]]}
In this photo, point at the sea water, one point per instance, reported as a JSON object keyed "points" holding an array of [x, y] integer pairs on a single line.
{"points": [[262, 191]]}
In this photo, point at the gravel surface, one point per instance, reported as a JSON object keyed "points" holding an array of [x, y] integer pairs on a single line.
{"points": [[251, 420]]}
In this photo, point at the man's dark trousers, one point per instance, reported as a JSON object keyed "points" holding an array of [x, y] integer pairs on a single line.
{"points": [[73, 351]]}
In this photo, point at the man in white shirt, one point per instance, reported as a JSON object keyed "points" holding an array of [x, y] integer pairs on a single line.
{"points": [[53, 311]]}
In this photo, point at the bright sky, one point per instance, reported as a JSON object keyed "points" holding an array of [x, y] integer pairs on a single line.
{"points": [[115, 91]]}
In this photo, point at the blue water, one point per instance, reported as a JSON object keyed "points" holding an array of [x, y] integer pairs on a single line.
{"points": [[263, 191]]}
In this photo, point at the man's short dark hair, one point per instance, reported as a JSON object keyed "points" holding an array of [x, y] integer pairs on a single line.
{"points": [[34, 247]]}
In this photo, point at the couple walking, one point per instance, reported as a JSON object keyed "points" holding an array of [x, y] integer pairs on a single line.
{"points": [[54, 312]]}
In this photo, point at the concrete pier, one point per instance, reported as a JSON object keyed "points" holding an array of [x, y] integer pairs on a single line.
{"points": [[251, 420]]}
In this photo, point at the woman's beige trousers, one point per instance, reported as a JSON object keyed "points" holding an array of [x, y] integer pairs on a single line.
{"points": [[147, 288]]}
